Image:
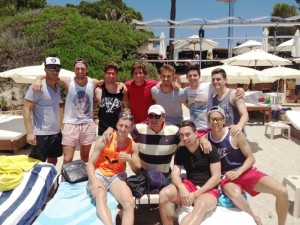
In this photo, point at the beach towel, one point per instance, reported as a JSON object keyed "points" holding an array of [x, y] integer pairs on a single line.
{"points": [[219, 216], [73, 204], [21, 205]]}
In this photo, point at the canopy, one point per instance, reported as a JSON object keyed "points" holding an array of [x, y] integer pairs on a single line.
{"points": [[29, 73], [237, 74], [257, 57]]}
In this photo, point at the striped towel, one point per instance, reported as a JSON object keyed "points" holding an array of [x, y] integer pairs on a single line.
{"points": [[20, 206], [72, 204]]}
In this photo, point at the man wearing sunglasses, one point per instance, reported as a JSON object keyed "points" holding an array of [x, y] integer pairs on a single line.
{"points": [[234, 107], [237, 162], [79, 127], [45, 134]]}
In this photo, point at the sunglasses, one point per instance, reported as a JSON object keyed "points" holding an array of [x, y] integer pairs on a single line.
{"points": [[54, 68], [217, 119], [125, 115], [151, 116]]}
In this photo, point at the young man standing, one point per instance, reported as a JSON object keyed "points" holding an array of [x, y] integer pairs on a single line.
{"points": [[111, 96], [237, 162], [203, 170], [79, 127], [45, 135], [139, 92], [106, 171], [235, 108], [170, 99]]}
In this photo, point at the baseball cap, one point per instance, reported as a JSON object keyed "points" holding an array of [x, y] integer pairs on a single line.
{"points": [[52, 61], [157, 109], [217, 109]]}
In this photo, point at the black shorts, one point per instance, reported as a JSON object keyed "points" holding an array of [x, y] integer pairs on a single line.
{"points": [[48, 146], [297, 89]]}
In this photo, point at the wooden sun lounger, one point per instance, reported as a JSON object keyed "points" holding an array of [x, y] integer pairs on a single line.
{"points": [[12, 133], [263, 109]]}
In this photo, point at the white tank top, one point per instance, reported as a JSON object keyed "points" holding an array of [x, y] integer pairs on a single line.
{"points": [[79, 103]]}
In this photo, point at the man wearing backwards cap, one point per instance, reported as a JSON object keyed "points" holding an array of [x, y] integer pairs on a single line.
{"points": [[237, 162], [45, 135]]}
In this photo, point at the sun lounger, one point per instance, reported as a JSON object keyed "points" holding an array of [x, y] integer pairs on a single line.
{"points": [[294, 118], [220, 216], [12, 133], [72, 204], [21, 205]]}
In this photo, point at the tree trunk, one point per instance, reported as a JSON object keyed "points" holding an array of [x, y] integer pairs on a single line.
{"points": [[172, 30]]}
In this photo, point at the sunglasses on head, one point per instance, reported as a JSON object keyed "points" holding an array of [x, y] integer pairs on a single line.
{"points": [[151, 116], [53, 68], [125, 115], [217, 119]]}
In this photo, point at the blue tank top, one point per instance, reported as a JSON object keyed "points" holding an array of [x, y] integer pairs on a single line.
{"points": [[231, 112], [231, 157]]}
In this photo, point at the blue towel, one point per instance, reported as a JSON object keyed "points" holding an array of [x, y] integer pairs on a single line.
{"points": [[20, 206], [73, 204]]}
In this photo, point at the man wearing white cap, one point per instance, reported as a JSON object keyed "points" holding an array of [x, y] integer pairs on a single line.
{"points": [[45, 135], [157, 141], [79, 127]]}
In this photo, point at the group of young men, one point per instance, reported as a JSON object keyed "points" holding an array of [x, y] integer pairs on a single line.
{"points": [[151, 112]]}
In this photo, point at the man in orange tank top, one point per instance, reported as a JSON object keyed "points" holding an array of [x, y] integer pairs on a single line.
{"points": [[106, 170]]}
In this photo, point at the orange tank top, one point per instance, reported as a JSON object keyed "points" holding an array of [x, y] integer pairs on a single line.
{"points": [[109, 163]]}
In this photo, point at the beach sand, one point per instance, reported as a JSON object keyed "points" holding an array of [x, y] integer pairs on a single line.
{"points": [[278, 158]]}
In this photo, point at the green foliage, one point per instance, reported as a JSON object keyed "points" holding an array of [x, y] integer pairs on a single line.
{"points": [[114, 10], [11, 7], [283, 10], [27, 38]]}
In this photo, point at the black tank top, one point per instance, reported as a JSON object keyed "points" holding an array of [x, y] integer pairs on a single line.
{"points": [[109, 110]]}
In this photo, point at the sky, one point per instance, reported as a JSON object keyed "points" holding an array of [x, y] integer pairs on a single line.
{"points": [[208, 9]]}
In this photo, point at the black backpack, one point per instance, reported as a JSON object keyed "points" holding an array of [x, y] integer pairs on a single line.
{"points": [[147, 182]]}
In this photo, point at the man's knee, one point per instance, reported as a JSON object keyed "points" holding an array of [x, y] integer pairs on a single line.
{"points": [[128, 204], [281, 192], [164, 196]]}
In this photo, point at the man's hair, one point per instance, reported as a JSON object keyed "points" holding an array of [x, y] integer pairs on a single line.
{"points": [[193, 67], [80, 60], [139, 64], [168, 68], [221, 71], [188, 123], [111, 65]]}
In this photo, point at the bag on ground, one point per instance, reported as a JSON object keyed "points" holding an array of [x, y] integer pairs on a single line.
{"points": [[75, 171]]}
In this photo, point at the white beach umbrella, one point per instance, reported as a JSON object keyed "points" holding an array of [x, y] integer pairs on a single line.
{"points": [[162, 46], [296, 44], [29, 73], [246, 47], [237, 74], [282, 73], [257, 57], [264, 43], [285, 46], [193, 43]]}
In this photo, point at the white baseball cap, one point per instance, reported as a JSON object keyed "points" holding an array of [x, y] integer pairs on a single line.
{"points": [[52, 61], [217, 109], [157, 109]]}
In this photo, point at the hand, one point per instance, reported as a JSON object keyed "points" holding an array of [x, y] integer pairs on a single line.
{"points": [[185, 197], [240, 93], [37, 86], [100, 83], [107, 135], [175, 86], [232, 175], [205, 145], [235, 129], [124, 157], [94, 188], [31, 139]]}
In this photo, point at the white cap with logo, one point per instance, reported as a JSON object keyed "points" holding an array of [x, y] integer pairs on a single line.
{"points": [[52, 61]]}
